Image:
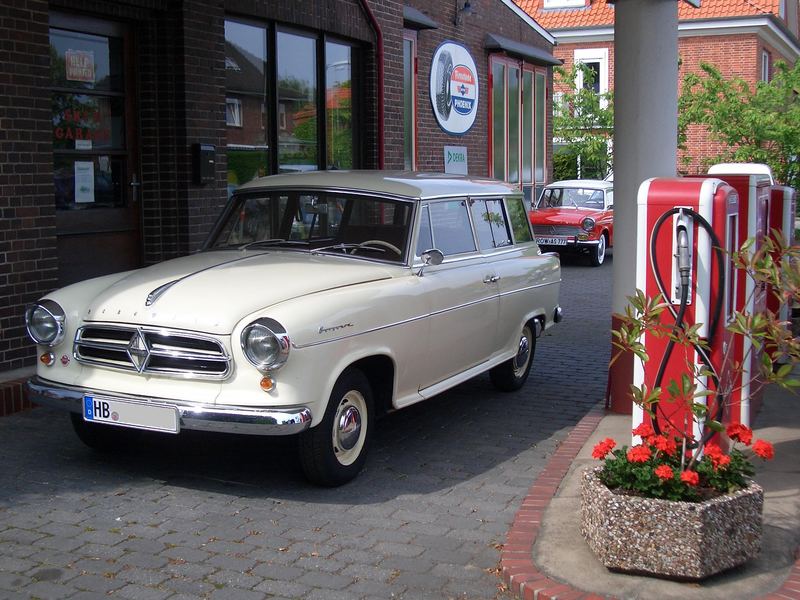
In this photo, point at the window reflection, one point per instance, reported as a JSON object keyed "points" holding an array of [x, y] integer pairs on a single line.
{"points": [[297, 90], [246, 87], [338, 106]]}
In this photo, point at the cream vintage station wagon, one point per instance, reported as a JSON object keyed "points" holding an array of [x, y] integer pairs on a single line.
{"points": [[319, 301]]}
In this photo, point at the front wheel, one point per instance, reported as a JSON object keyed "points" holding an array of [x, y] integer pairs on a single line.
{"points": [[598, 253], [512, 374], [333, 452]]}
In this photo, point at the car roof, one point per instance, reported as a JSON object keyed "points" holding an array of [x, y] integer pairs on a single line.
{"points": [[412, 185], [597, 184]]}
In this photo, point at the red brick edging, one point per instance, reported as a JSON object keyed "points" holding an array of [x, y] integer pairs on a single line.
{"points": [[13, 398], [517, 568]]}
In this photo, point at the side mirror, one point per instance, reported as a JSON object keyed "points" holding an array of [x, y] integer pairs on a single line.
{"points": [[430, 257]]}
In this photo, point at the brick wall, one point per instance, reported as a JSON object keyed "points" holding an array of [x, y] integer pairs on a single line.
{"points": [[27, 211]]}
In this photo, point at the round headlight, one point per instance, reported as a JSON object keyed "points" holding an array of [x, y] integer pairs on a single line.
{"points": [[587, 224], [265, 344], [45, 322]]}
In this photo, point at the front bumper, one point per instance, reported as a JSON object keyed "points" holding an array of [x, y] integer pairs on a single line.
{"points": [[225, 419], [571, 244]]}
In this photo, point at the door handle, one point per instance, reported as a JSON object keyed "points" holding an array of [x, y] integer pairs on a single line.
{"points": [[491, 279]]}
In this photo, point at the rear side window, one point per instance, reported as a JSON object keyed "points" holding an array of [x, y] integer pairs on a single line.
{"points": [[490, 222], [518, 217], [452, 233]]}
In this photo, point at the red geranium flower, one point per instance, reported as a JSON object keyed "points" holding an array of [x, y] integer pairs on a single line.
{"points": [[740, 433], [717, 457], [664, 444], [639, 454], [690, 478], [764, 449], [602, 449], [664, 472], [644, 430]]}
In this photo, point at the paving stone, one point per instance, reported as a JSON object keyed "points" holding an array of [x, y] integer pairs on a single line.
{"points": [[139, 592], [329, 581]]}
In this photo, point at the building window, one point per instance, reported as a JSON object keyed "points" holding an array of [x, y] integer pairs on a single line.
{"points": [[518, 93], [290, 101], [765, 65], [563, 3], [233, 112], [409, 99], [596, 61]]}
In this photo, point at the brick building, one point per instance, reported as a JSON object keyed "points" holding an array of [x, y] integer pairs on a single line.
{"points": [[743, 38], [126, 124]]}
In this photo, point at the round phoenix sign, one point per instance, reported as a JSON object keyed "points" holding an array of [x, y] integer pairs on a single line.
{"points": [[454, 88]]}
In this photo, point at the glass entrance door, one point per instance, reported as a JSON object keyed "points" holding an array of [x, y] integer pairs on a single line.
{"points": [[94, 148]]}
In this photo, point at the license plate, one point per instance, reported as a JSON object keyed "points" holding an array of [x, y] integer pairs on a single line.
{"points": [[551, 241], [154, 417]]}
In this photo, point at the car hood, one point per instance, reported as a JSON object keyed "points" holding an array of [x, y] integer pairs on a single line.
{"points": [[562, 216], [212, 291]]}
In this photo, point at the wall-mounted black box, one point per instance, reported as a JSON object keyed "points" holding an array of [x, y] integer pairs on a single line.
{"points": [[203, 162]]}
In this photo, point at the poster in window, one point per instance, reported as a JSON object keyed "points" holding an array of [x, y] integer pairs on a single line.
{"points": [[454, 88], [84, 181], [79, 65]]}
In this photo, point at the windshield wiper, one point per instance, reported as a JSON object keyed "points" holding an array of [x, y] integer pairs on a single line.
{"points": [[270, 242], [341, 246]]}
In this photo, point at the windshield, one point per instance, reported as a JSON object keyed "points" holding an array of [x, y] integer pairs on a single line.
{"points": [[571, 198], [351, 224]]}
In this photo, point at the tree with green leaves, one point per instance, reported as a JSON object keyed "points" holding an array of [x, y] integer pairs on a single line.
{"points": [[751, 124], [583, 124]]}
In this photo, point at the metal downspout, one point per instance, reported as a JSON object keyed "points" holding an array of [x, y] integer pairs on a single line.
{"points": [[379, 59]]}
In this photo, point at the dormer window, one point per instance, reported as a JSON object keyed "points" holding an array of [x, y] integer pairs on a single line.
{"points": [[564, 3]]}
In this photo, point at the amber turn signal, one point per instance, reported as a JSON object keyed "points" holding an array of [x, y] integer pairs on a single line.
{"points": [[267, 384], [47, 359]]}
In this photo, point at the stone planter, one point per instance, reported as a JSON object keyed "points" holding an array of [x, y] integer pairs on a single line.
{"points": [[676, 540]]}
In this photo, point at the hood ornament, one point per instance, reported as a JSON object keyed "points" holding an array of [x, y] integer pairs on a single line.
{"points": [[157, 293]]}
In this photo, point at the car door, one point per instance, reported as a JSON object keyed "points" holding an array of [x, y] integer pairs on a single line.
{"points": [[463, 296]]}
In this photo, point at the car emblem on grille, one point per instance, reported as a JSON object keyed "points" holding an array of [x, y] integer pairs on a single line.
{"points": [[138, 351]]}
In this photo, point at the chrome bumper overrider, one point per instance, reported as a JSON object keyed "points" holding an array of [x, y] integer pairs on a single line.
{"points": [[226, 419]]}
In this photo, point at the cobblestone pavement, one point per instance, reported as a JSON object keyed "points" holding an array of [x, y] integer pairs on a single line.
{"points": [[222, 517]]}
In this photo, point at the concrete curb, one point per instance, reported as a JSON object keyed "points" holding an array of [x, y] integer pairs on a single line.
{"points": [[520, 573]]}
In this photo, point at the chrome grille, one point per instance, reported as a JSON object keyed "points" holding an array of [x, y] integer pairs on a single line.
{"points": [[548, 230], [152, 351]]}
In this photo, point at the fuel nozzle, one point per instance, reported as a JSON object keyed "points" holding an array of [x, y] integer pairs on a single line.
{"points": [[684, 255]]}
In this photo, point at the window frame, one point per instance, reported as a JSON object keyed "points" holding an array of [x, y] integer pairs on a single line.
{"points": [[237, 103], [409, 35], [535, 71], [766, 65]]}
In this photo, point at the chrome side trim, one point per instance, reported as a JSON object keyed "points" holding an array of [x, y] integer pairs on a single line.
{"points": [[225, 419], [425, 316]]}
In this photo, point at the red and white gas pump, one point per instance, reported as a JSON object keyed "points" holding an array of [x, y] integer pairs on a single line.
{"points": [[754, 191], [684, 227]]}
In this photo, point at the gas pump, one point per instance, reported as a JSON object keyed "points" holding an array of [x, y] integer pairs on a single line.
{"points": [[684, 227], [781, 217], [754, 189]]}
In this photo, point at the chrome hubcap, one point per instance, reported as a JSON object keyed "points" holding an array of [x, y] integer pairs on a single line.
{"points": [[349, 427], [523, 353]]}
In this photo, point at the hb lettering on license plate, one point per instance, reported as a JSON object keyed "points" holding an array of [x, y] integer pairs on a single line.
{"points": [[155, 417]]}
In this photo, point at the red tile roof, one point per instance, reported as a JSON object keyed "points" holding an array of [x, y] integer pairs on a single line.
{"points": [[599, 13]]}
